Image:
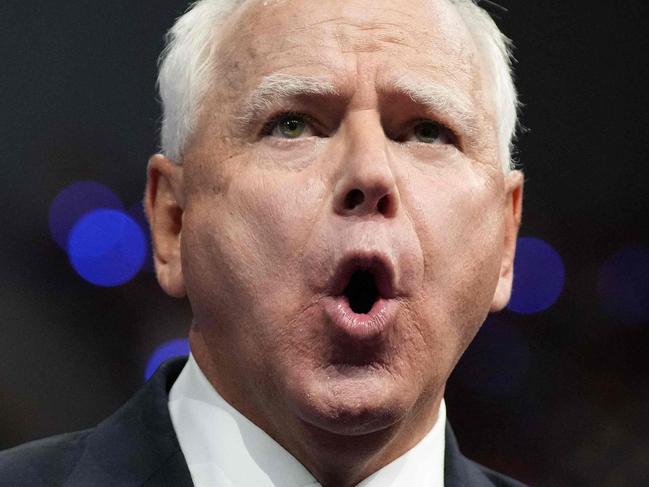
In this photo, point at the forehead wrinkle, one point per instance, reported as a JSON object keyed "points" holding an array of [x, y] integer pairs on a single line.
{"points": [[439, 98], [280, 86], [371, 36]]}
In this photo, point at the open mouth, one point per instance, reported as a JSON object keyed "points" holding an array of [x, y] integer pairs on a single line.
{"points": [[361, 292], [361, 302]]}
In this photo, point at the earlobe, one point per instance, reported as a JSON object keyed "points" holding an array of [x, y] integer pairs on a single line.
{"points": [[513, 213], [164, 203]]}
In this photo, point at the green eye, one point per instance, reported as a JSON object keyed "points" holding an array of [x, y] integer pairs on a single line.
{"points": [[427, 131], [291, 126]]}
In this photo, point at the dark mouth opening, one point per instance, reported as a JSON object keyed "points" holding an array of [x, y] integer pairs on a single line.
{"points": [[361, 292]]}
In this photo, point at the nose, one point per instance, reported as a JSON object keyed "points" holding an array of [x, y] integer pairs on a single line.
{"points": [[367, 184]]}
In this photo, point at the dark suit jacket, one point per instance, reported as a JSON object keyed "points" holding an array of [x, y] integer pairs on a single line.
{"points": [[137, 446]]}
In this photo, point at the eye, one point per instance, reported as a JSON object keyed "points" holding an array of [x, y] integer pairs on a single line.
{"points": [[427, 132], [430, 132], [288, 126]]}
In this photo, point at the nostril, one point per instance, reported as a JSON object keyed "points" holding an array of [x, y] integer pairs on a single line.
{"points": [[354, 198], [384, 205]]}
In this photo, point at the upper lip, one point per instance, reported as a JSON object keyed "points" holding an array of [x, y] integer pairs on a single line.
{"points": [[375, 263]]}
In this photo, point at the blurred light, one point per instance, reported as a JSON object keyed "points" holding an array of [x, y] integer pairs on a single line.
{"points": [[73, 202], [497, 360], [623, 285], [107, 247], [538, 276], [137, 213], [173, 348]]}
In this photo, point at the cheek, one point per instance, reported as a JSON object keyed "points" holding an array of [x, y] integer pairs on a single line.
{"points": [[459, 219], [279, 213], [460, 226], [247, 243]]}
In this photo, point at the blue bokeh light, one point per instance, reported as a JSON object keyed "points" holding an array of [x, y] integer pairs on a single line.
{"points": [[539, 276], [107, 247], [623, 285], [73, 202], [173, 348], [497, 361], [137, 213]]}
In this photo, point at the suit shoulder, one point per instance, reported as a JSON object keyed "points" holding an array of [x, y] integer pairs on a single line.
{"points": [[45, 462]]}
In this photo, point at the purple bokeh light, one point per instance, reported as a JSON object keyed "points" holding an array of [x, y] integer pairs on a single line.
{"points": [[623, 285], [173, 348], [539, 276], [107, 247], [74, 201]]}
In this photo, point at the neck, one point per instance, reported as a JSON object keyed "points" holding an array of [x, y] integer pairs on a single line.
{"points": [[341, 460]]}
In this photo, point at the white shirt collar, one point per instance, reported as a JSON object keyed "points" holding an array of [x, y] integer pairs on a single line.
{"points": [[222, 447]]}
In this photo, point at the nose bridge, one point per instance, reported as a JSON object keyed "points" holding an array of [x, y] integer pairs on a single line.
{"points": [[366, 184]]}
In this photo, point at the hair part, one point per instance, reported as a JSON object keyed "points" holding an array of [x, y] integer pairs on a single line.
{"points": [[186, 70]]}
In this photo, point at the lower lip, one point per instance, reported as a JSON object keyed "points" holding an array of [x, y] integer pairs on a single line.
{"points": [[360, 326]]}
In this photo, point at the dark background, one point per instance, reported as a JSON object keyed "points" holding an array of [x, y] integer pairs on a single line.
{"points": [[78, 102]]}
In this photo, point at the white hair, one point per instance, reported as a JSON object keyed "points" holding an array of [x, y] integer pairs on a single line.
{"points": [[187, 70], [496, 49]]}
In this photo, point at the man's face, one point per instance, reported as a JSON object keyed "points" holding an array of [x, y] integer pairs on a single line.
{"points": [[345, 217]]}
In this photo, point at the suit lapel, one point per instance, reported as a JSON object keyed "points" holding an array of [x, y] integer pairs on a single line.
{"points": [[172, 473], [458, 470]]}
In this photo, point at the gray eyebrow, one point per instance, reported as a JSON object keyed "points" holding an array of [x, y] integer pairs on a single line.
{"points": [[440, 99], [275, 87], [436, 97]]}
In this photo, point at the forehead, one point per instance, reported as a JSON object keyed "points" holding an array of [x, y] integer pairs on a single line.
{"points": [[350, 41]]}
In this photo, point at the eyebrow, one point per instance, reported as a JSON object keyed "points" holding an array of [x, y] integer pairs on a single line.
{"points": [[439, 99], [277, 87]]}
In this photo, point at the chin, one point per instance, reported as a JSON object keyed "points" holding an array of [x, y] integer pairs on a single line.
{"points": [[350, 400]]}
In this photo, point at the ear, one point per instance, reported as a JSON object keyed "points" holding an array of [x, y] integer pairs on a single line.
{"points": [[513, 212], [163, 204]]}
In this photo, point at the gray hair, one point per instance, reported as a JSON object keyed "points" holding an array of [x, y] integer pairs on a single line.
{"points": [[186, 68]]}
